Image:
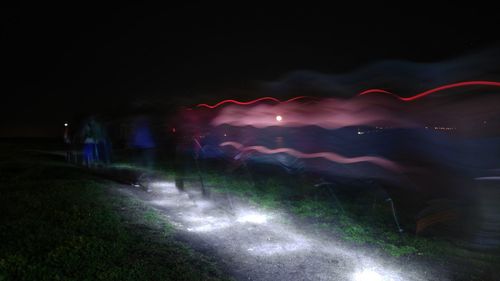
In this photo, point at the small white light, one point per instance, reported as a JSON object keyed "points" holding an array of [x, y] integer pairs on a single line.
{"points": [[279, 118], [65, 124], [367, 275]]}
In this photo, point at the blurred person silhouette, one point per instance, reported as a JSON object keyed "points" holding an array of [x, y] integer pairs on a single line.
{"points": [[182, 143], [67, 143], [89, 137], [103, 143], [142, 141], [187, 145]]}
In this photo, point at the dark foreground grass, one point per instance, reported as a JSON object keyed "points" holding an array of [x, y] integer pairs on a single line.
{"points": [[58, 223]]}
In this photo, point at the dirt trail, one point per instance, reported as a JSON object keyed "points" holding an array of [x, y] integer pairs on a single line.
{"points": [[255, 244]]}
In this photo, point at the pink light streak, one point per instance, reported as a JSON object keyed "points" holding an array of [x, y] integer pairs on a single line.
{"points": [[328, 114], [248, 102], [434, 90], [382, 162]]}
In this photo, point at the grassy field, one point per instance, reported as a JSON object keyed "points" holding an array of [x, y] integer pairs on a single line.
{"points": [[355, 219], [357, 222], [344, 218], [57, 222]]}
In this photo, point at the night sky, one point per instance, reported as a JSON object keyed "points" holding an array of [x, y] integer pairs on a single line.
{"points": [[61, 61]]}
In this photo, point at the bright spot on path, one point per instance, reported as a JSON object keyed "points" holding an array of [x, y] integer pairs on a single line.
{"points": [[367, 275], [252, 218], [164, 187]]}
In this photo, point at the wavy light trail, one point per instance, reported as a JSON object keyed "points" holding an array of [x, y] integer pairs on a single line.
{"points": [[434, 90], [248, 102], [371, 91], [382, 162]]}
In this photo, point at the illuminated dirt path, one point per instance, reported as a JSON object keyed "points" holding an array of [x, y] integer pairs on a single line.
{"points": [[253, 244]]}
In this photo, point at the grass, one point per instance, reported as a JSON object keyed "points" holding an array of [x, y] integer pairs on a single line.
{"points": [[356, 221], [268, 198], [354, 228], [351, 222], [325, 215], [57, 223]]}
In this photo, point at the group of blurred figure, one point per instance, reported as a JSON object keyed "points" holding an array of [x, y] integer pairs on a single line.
{"points": [[89, 143]]}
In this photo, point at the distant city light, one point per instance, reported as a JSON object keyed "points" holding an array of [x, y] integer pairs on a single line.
{"points": [[444, 128], [279, 118]]}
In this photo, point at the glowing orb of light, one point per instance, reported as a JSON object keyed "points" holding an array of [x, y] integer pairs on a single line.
{"points": [[65, 124], [252, 218], [279, 118], [367, 275]]}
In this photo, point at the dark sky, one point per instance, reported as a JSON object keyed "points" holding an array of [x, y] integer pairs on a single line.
{"points": [[60, 61]]}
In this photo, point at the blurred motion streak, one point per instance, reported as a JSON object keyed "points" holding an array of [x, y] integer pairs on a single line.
{"points": [[249, 102], [329, 114], [387, 164], [434, 90]]}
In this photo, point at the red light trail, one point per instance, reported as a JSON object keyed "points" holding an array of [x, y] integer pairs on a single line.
{"points": [[382, 162], [248, 102], [434, 90], [369, 91]]}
